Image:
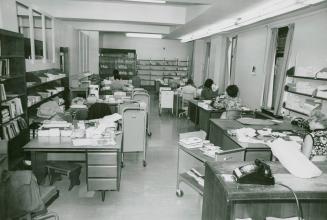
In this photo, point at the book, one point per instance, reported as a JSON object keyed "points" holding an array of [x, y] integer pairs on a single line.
{"points": [[4, 67], [2, 92], [13, 128]]}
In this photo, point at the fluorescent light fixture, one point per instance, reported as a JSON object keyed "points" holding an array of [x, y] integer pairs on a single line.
{"points": [[144, 35], [148, 1], [258, 13]]}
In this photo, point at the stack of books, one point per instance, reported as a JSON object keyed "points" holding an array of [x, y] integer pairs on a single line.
{"points": [[14, 107], [191, 142], [3, 96], [12, 129], [5, 117]]}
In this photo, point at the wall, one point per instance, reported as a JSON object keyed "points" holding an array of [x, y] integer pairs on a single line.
{"points": [[8, 19], [147, 48], [93, 51], [308, 49]]}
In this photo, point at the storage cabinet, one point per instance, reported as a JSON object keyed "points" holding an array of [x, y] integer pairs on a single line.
{"points": [[122, 60], [13, 102]]}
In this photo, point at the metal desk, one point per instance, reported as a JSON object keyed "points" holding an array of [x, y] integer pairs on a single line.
{"points": [[102, 162], [230, 200]]}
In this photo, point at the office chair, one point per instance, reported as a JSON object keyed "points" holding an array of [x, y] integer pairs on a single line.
{"points": [[186, 97], [98, 110]]}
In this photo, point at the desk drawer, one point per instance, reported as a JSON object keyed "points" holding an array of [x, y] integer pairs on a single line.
{"points": [[101, 184], [102, 171], [102, 158], [231, 155]]}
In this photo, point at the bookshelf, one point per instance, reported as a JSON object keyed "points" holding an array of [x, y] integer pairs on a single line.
{"points": [[13, 100], [43, 86], [151, 70], [121, 59]]}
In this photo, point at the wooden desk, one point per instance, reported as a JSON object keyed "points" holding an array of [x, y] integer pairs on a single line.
{"points": [[102, 162], [229, 200], [218, 136]]}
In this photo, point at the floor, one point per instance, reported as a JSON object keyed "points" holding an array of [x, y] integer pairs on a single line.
{"points": [[146, 193]]}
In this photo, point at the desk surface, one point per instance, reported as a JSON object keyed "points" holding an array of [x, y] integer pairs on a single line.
{"points": [[65, 144], [312, 189]]}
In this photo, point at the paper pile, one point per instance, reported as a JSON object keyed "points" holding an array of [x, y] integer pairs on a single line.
{"points": [[191, 142]]}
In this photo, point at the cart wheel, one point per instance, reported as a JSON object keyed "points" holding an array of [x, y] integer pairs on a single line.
{"points": [[149, 133], [144, 163], [179, 193]]}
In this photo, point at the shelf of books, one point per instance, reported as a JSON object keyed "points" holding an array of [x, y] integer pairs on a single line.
{"points": [[151, 70], [13, 101], [44, 86], [121, 59]]}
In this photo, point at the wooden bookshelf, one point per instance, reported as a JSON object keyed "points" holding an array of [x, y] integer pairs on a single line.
{"points": [[13, 79]]}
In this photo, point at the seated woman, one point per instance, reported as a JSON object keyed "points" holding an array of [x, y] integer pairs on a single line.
{"points": [[116, 84], [207, 92], [231, 102], [315, 143], [188, 88]]}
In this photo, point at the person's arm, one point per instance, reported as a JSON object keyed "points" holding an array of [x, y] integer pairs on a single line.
{"points": [[307, 145]]}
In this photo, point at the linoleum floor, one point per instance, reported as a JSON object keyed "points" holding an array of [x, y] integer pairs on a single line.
{"points": [[146, 192]]}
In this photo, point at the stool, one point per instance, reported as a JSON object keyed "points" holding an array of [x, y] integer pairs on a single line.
{"points": [[71, 170]]}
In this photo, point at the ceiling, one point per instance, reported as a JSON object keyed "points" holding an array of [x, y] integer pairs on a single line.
{"points": [[174, 19]]}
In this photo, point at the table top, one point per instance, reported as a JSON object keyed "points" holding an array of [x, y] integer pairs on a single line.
{"points": [[65, 144], [310, 189], [197, 153], [226, 124]]}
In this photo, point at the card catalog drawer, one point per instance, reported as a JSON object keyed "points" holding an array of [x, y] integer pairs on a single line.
{"points": [[101, 184], [102, 158], [102, 171]]}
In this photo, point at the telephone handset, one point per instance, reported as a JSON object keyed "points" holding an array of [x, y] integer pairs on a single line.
{"points": [[257, 173]]}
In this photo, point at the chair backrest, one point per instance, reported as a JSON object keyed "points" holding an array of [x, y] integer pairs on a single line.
{"points": [[136, 81], [98, 110], [233, 114], [129, 104], [142, 97], [186, 97]]}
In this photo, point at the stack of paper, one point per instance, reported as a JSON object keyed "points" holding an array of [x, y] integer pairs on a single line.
{"points": [[191, 142], [56, 124]]}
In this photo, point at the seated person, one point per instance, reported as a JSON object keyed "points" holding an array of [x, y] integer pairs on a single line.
{"points": [[188, 88], [208, 92], [116, 84], [231, 101], [315, 143]]}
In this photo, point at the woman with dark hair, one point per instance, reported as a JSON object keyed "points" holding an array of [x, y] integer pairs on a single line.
{"points": [[207, 93]]}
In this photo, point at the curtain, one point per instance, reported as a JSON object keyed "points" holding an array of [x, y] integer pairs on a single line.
{"points": [[269, 64], [287, 53], [233, 60], [225, 77]]}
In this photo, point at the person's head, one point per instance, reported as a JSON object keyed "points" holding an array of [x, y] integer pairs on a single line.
{"points": [[232, 91], [317, 120], [116, 74], [208, 83], [189, 82]]}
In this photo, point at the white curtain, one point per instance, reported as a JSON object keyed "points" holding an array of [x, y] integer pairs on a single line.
{"points": [[269, 64], [280, 93]]}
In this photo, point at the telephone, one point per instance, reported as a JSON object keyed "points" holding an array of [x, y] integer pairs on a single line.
{"points": [[257, 173]]}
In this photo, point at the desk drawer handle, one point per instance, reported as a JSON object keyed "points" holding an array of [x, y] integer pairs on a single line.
{"points": [[228, 158]]}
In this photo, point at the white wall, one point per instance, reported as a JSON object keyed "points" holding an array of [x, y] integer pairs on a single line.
{"points": [[308, 49], [147, 48], [8, 18]]}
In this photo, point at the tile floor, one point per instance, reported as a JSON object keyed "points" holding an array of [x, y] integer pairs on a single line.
{"points": [[146, 193]]}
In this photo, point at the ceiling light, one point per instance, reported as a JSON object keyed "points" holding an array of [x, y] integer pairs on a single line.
{"points": [[144, 35], [148, 1], [261, 12]]}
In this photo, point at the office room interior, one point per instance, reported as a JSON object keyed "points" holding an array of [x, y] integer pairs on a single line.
{"points": [[163, 109]]}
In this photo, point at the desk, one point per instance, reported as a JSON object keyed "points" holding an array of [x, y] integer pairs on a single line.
{"points": [[205, 114], [102, 162], [218, 136], [193, 111], [227, 201]]}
